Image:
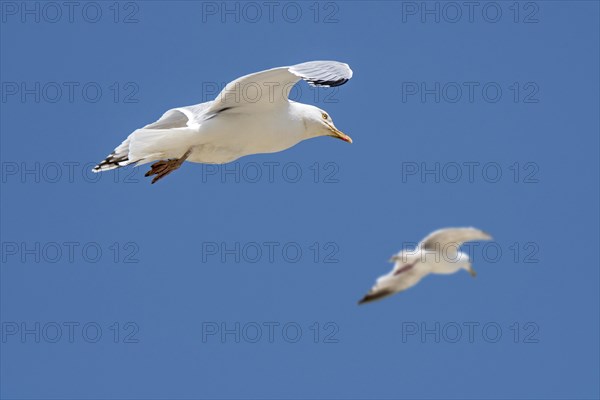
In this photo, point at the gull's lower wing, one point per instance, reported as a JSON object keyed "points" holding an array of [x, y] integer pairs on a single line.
{"points": [[394, 282], [181, 117], [272, 87], [376, 295]]}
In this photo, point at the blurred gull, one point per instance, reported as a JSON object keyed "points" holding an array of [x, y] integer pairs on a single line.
{"points": [[436, 254], [251, 115]]}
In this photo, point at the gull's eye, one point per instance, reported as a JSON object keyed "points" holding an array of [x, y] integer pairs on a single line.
{"points": [[325, 116]]}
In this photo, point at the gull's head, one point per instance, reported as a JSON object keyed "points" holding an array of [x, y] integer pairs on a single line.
{"points": [[319, 123]]}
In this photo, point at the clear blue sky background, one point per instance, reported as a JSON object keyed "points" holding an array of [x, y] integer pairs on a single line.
{"points": [[172, 56]]}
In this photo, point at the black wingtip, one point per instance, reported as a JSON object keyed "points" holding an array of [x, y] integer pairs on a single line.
{"points": [[327, 83], [369, 297]]}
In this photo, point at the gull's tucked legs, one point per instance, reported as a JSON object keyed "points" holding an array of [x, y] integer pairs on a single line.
{"points": [[165, 167]]}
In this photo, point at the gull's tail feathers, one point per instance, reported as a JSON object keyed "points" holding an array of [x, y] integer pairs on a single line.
{"points": [[118, 158], [148, 145], [160, 139]]}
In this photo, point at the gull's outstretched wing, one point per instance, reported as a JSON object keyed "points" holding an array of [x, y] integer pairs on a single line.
{"points": [[273, 86], [455, 237]]}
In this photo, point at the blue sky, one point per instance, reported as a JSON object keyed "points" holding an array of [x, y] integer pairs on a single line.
{"points": [[242, 281]]}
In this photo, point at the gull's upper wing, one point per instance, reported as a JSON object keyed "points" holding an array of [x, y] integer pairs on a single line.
{"points": [[268, 87], [273, 86], [452, 236]]}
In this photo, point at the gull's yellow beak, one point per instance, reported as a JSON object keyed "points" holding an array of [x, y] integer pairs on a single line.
{"points": [[339, 134]]}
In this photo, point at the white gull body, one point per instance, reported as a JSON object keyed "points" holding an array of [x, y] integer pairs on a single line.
{"points": [[436, 254], [252, 115]]}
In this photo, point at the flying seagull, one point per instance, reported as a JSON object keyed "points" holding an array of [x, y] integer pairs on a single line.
{"points": [[251, 115], [436, 254]]}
